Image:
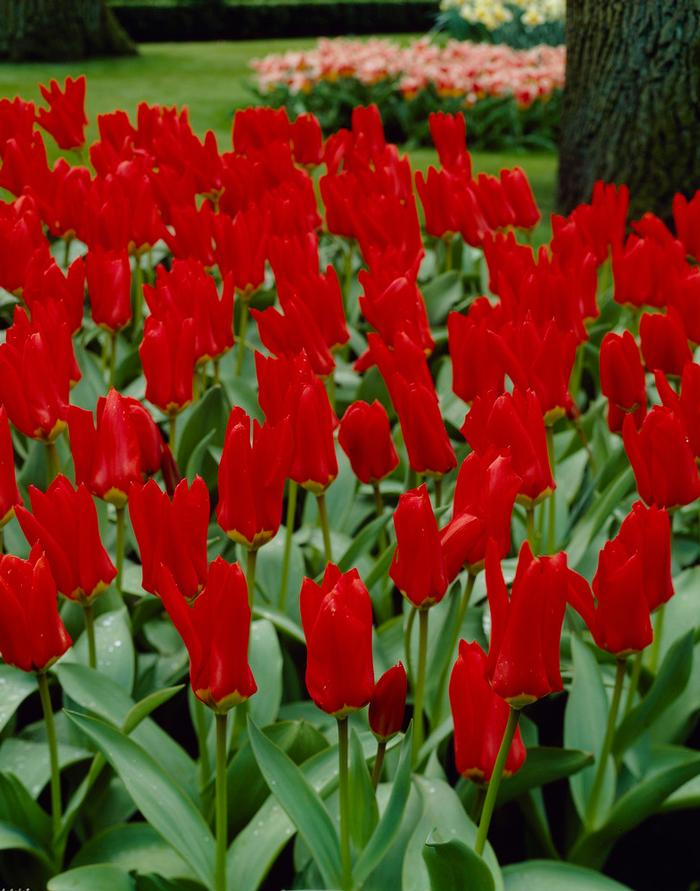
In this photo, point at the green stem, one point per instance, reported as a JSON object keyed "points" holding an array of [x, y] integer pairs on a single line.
{"points": [[495, 781], [330, 389], [53, 753], [112, 357], [325, 528], [138, 297], [66, 252], [466, 597], [217, 371], [344, 790], [200, 720], [2, 540], [172, 430], [656, 645], [419, 691], [288, 533], [89, 614], [121, 529], [52, 461], [382, 542], [477, 804], [221, 801], [407, 642], [438, 492], [250, 574], [530, 523], [195, 386], [378, 762], [597, 788], [241, 339], [412, 479], [448, 252], [634, 681], [552, 525]]}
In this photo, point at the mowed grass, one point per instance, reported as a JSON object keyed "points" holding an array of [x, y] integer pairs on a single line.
{"points": [[213, 80]]}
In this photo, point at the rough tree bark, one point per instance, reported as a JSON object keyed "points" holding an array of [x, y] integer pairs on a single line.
{"points": [[60, 30], [631, 110]]}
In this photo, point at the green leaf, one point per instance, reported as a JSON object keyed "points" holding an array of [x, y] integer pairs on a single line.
{"points": [[453, 866], [266, 665], [28, 760], [585, 720], [282, 623], [667, 686], [15, 687], [364, 814], [363, 542], [268, 570], [133, 846], [441, 294], [209, 414], [163, 803], [143, 708], [20, 810], [547, 875], [390, 823], [544, 764], [14, 839], [301, 802], [115, 648], [598, 515], [93, 878]]}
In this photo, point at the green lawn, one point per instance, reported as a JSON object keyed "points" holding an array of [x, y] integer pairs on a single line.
{"points": [[212, 79]]}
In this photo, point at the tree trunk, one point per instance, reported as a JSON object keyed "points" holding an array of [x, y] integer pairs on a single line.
{"points": [[631, 110], [60, 30]]}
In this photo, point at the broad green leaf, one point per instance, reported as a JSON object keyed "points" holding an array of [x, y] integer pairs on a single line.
{"points": [[363, 542], [20, 810], [28, 760], [442, 813], [210, 413], [585, 719], [266, 664], [667, 686], [598, 514], [14, 839], [93, 878], [452, 866], [15, 687], [364, 814], [441, 294], [685, 798], [388, 827], [163, 803], [547, 875], [544, 764], [115, 648], [142, 709], [133, 846], [301, 802], [281, 623], [268, 573]]}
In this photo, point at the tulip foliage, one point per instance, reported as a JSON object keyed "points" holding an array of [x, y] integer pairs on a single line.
{"points": [[412, 504]]}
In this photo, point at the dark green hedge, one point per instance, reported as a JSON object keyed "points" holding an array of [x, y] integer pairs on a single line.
{"points": [[247, 21]]}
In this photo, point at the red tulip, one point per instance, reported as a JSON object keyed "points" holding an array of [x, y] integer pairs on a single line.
{"points": [[396, 309], [647, 531], [337, 620], [662, 459], [109, 288], [523, 658], [32, 635], [121, 449], [47, 284], [418, 567], [323, 298], [476, 366], [215, 630], [514, 422], [240, 248], [365, 437], [251, 479], [307, 140], [9, 495], [172, 533], [22, 243], [65, 117], [286, 335], [63, 522], [684, 298], [686, 405], [167, 357], [254, 128], [449, 134], [622, 379], [480, 718], [686, 216], [388, 703], [483, 503], [493, 202], [441, 195], [664, 342], [518, 194]]}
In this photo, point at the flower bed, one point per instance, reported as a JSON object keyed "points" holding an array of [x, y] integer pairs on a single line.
{"points": [[511, 97], [414, 509]]}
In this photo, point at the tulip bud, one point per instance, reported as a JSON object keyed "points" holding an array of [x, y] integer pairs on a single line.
{"points": [[480, 718], [215, 630], [337, 620], [167, 357], [686, 405], [32, 635], [418, 567], [9, 494], [365, 437], [622, 379], [449, 135], [388, 703], [109, 288], [686, 216], [518, 194], [65, 117], [307, 140], [664, 342]]}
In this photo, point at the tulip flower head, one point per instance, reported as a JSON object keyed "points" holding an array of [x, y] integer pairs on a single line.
{"points": [[365, 437], [65, 117], [9, 494], [388, 703], [622, 379], [418, 568]]}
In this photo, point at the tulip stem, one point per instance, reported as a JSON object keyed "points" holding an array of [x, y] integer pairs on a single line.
{"points": [[66, 251], [597, 788], [330, 389], [552, 525], [53, 753], [407, 641], [250, 574], [466, 597], [2, 540], [112, 357], [438, 492], [200, 720], [325, 528], [90, 634], [378, 763], [379, 510], [138, 297], [217, 371], [420, 683], [495, 781], [530, 523], [120, 546], [241, 338], [344, 790], [634, 681], [448, 239], [221, 792], [52, 461], [172, 430], [288, 533], [656, 644]]}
